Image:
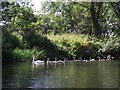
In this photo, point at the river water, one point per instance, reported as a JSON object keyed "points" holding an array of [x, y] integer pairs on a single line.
{"points": [[71, 75]]}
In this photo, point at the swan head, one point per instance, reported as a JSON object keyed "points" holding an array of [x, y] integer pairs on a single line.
{"points": [[80, 58], [55, 59], [73, 58], [65, 59]]}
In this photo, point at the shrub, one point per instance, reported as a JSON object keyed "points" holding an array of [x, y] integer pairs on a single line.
{"points": [[110, 46], [75, 45], [9, 41], [26, 54]]}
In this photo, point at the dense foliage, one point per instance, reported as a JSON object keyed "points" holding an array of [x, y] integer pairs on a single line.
{"points": [[63, 29]]}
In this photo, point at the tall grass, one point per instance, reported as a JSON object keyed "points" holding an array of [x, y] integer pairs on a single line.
{"points": [[27, 54]]}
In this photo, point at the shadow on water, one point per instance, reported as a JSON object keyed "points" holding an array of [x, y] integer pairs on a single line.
{"points": [[72, 75]]}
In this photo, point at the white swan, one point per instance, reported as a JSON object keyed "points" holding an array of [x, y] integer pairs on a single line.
{"points": [[109, 57], [52, 62], [37, 62], [79, 60], [60, 61], [91, 59], [101, 59], [85, 60]]}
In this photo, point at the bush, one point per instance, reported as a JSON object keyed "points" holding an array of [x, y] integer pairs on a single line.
{"points": [[9, 41], [110, 46], [51, 46], [26, 54], [75, 45]]}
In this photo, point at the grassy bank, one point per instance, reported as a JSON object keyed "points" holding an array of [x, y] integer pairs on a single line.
{"points": [[61, 46]]}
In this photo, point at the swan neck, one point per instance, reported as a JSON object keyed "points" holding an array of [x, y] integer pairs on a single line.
{"points": [[33, 59], [48, 60]]}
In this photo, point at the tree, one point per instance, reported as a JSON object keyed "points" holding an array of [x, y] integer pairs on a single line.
{"points": [[69, 16], [116, 8]]}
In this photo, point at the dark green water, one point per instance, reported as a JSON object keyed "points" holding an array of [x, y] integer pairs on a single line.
{"points": [[80, 75]]}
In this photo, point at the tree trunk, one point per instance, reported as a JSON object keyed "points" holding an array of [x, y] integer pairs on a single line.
{"points": [[95, 13]]}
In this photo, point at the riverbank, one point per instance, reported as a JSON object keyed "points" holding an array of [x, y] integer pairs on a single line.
{"points": [[70, 46]]}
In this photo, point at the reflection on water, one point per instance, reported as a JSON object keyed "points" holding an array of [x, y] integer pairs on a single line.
{"points": [[80, 75]]}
